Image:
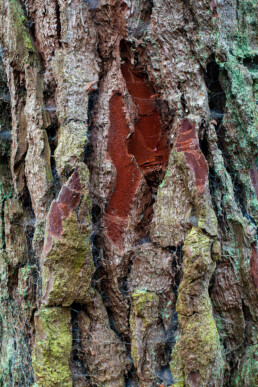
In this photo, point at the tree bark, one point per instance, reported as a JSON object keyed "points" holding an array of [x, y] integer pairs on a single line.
{"points": [[128, 191]]}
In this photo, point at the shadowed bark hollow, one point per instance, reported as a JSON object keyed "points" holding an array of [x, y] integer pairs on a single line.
{"points": [[128, 193]]}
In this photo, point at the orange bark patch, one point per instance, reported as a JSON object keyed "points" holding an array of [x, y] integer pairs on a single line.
{"points": [[254, 264], [188, 143]]}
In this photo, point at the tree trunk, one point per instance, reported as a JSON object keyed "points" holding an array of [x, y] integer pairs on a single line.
{"points": [[128, 193]]}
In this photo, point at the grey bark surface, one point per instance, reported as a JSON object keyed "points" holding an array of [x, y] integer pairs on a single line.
{"points": [[128, 193]]}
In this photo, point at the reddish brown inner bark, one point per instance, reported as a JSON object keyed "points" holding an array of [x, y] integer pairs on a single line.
{"points": [[147, 144], [128, 175], [68, 200]]}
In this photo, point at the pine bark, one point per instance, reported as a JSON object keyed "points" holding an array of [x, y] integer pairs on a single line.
{"points": [[128, 193]]}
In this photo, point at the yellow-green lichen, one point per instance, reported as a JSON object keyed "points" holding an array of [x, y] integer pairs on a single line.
{"points": [[68, 266], [53, 345], [177, 367], [198, 346], [144, 314]]}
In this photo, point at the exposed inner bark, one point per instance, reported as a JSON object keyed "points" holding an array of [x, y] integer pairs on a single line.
{"points": [[146, 149], [128, 176]]}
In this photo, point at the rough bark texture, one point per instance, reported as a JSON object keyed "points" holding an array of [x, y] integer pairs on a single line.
{"points": [[128, 205]]}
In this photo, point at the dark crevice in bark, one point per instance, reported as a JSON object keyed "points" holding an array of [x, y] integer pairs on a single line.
{"points": [[88, 150], [5, 143], [183, 102], [12, 281], [52, 132], [251, 63], [1, 335], [77, 363], [10, 372], [248, 324], [177, 262], [112, 324], [182, 98], [164, 376], [217, 100], [216, 94], [2, 233], [96, 239], [4, 196], [58, 24], [124, 282], [21, 131], [211, 284], [29, 232], [215, 185], [27, 207], [96, 243], [204, 144], [131, 379], [32, 259], [178, 274]]}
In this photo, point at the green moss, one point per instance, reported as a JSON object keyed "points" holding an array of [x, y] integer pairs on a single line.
{"points": [[22, 35], [53, 345]]}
